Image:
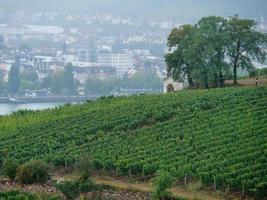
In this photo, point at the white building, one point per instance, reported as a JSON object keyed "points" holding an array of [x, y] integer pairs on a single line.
{"points": [[122, 62], [171, 85], [69, 58], [42, 62]]}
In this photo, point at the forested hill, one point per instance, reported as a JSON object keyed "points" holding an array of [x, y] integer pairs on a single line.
{"points": [[180, 10], [217, 135]]}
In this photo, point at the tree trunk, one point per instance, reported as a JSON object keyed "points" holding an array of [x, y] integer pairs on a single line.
{"points": [[235, 74], [236, 61], [214, 184], [215, 80], [221, 79], [206, 82], [185, 179], [190, 81]]}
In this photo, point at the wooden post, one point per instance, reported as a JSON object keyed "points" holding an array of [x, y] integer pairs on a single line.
{"points": [[185, 179], [214, 183], [243, 191]]}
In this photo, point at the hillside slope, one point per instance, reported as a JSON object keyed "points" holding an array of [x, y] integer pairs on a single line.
{"points": [[218, 136]]}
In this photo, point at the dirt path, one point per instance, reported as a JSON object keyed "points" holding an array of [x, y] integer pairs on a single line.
{"points": [[146, 187]]}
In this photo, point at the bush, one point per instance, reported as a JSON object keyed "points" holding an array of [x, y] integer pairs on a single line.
{"points": [[34, 171], [84, 167], [19, 195], [69, 189], [161, 183], [9, 169], [261, 191]]}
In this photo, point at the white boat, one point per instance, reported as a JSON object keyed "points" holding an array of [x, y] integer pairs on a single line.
{"points": [[12, 100]]}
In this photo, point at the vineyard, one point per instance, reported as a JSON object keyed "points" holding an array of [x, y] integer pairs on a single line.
{"points": [[217, 136]]}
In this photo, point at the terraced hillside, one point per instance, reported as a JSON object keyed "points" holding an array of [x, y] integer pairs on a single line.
{"points": [[216, 136]]}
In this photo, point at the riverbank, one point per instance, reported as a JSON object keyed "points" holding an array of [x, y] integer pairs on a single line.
{"points": [[56, 99]]}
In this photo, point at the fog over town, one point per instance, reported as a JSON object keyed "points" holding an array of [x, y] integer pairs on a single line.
{"points": [[133, 99], [96, 48]]}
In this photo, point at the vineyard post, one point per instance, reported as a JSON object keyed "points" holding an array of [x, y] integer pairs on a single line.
{"points": [[117, 171], [214, 183], [143, 172], [130, 172], [185, 179]]}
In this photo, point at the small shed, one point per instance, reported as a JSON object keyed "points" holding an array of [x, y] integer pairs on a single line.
{"points": [[171, 85]]}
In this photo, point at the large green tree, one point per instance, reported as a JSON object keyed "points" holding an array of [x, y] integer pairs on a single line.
{"points": [[205, 53], [68, 79], [14, 77], [179, 42], [213, 31], [246, 44], [2, 42]]}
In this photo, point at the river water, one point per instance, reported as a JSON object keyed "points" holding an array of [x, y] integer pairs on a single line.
{"points": [[8, 108]]}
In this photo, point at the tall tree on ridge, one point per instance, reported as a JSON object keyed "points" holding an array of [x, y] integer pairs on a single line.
{"points": [[14, 77], [68, 79], [246, 44], [179, 42]]}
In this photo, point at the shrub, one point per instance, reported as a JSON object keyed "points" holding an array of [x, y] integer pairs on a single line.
{"points": [[34, 171], [70, 189], [161, 183], [19, 195], [261, 191], [9, 169], [84, 167]]}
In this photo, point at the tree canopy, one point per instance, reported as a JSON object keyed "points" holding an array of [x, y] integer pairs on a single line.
{"points": [[206, 52], [14, 77]]}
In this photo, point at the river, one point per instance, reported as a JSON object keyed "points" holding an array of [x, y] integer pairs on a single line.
{"points": [[8, 108]]}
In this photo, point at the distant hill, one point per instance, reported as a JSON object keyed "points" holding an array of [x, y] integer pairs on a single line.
{"points": [[182, 10], [216, 136]]}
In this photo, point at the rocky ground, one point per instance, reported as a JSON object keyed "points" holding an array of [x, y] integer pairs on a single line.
{"points": [[119, 195], [48, 188]]}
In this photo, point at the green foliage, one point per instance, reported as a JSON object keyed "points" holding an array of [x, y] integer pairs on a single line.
{"points": [[3, 85], [18, 195], [261, 191], [84, 166], [143, 79], [34, 171], [14, 78], [207, 51], [162, 182], [246, 44], [61, 82], [70, 189], [29, 75], [216, 135], [98, 87], [2, 42], [10, 168], [68, 79], [259, 73]]}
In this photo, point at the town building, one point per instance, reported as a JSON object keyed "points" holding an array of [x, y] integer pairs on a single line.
{"points": [[122, 62]]}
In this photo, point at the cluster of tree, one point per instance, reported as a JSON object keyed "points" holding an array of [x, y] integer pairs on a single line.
{"points": [[59, 83], [213, 49], [146, 78], [62, 82]]}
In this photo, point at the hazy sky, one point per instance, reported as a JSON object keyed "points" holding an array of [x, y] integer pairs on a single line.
{"points": [[181, 10]]}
